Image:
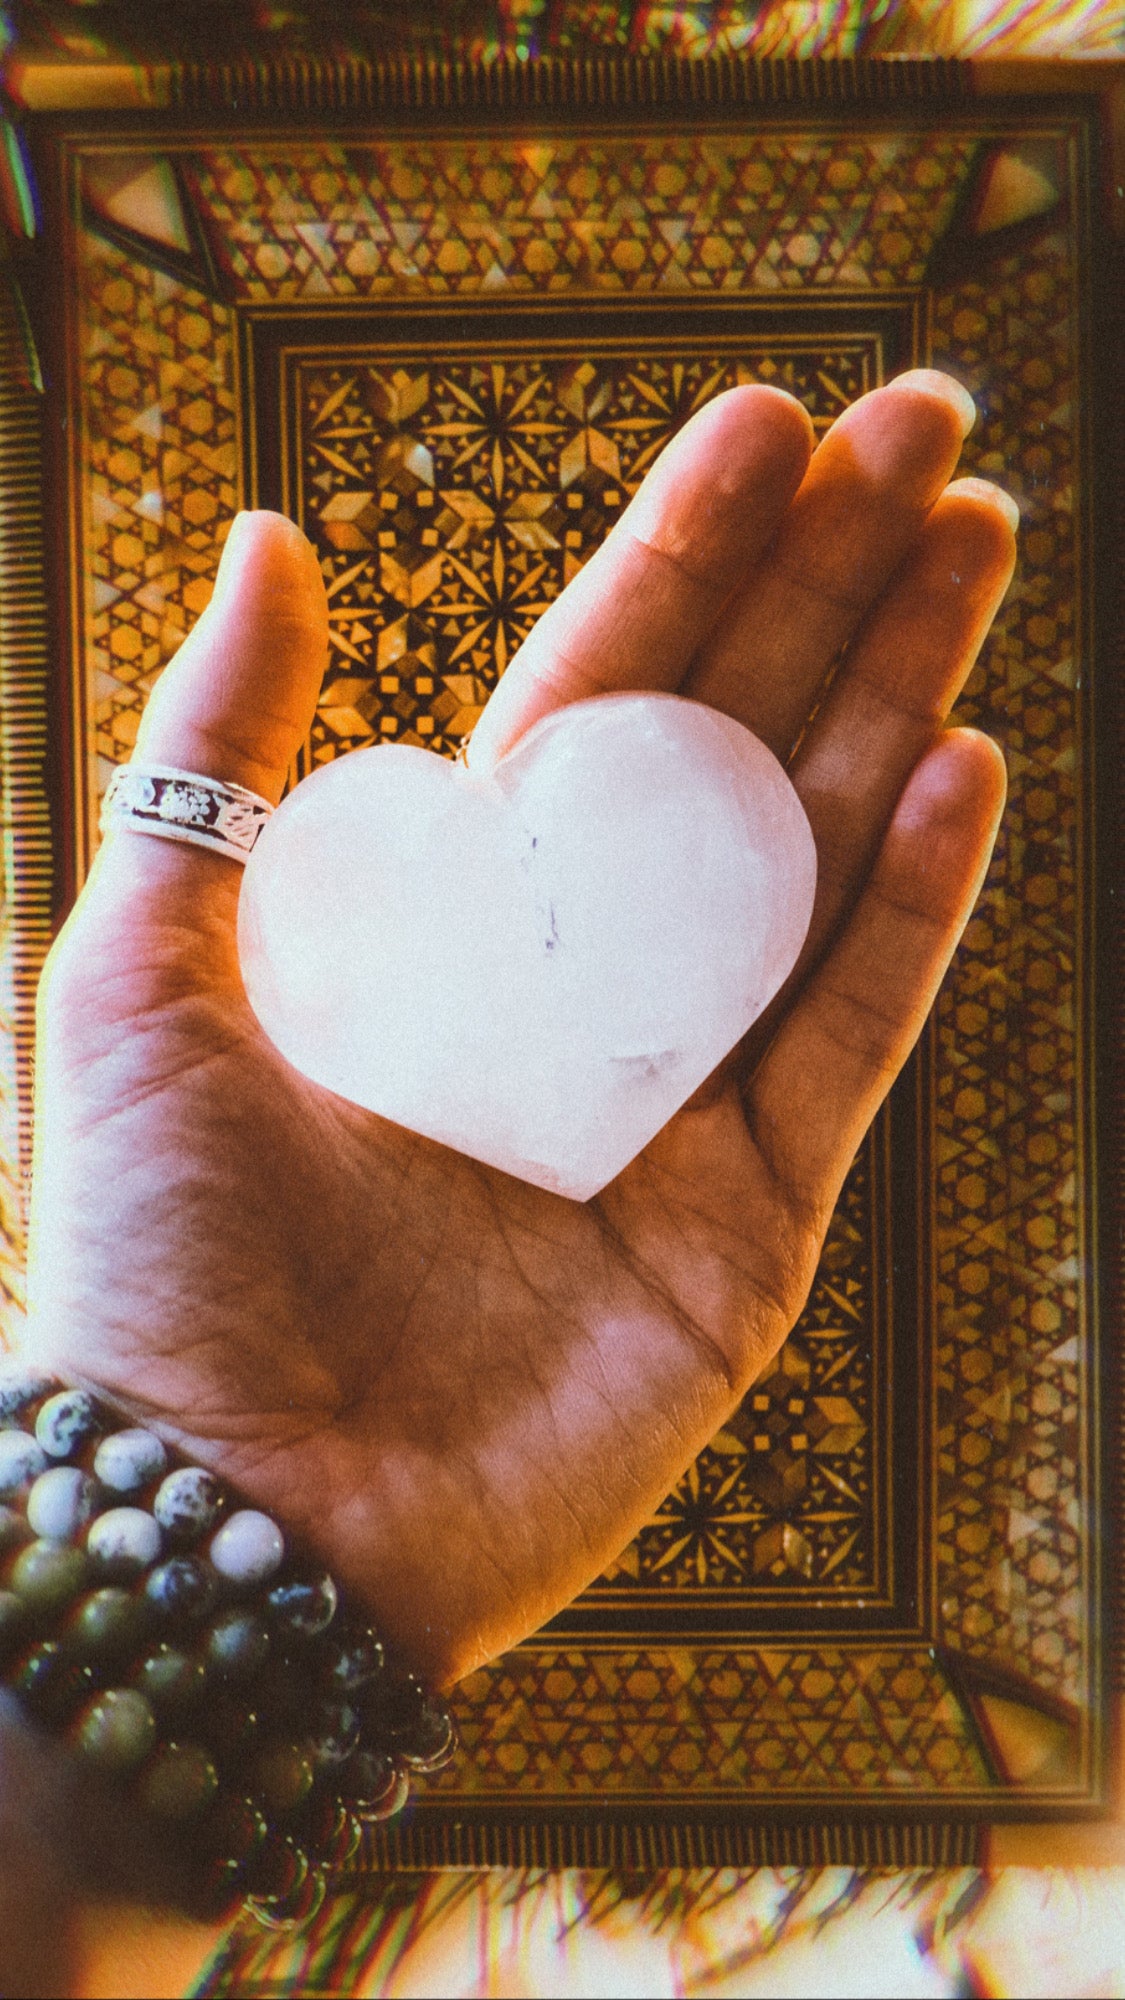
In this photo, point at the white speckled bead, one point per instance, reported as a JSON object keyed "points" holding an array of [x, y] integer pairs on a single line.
{"points": [[128, 1460], [62, 1501], [188, 1503], [248, 1547], [21, 1461], [67, 1421], [21, 1386], [125, 1539]]}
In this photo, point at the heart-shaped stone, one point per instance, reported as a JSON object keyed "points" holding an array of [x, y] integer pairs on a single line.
{"points": [[538, 965]]}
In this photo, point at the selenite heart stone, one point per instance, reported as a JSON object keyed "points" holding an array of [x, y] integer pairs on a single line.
{"points": [[540, 964]]}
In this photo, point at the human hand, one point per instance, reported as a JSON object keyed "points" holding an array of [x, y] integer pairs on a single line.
{"points": [[463, 1392]]}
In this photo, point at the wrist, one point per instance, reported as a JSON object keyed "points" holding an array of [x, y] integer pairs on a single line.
{"points": [[205, 1678]]}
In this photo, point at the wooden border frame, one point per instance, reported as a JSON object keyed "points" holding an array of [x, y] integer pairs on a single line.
{"points": [[48, 101]]}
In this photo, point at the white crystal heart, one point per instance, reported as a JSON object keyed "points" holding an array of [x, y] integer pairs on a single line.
{"points": [[538, 965]]}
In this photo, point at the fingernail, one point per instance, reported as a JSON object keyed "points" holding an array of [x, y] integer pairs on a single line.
{"points": [[996, 497], [229, 553], [933, 382]]}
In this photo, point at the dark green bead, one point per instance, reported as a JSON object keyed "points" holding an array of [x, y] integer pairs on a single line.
{"points": [[13, 1620], [238, 1644], [401, 1717], [281, 1694], [370, 1780], [281, 1775], [171, 1679], [328, 1830], [279, 1870], [51, 1685], [304, 1606], [117, 1730], [234, 1828], [107, 1623], [14, 1531], [224, 1843], [178, 1782], [48, 1575], [232, 1727], [353, 1660], [333, 1732], [184, 1589], [431, 1741]]}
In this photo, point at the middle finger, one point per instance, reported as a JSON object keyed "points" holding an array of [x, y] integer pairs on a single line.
{"points": [[869, 486]]}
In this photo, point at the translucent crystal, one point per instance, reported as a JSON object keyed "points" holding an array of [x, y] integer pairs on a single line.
{"points": [[537, 964]]}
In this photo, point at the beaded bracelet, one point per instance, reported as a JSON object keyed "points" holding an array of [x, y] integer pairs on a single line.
{"points": [[189, 1657]]}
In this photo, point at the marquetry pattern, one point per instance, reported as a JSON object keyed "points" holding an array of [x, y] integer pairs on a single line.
{"points": [[451, 503], [160, 479], [725, 1724], [1014, 1509], [26, 862], [768, 213], [733, 212]]}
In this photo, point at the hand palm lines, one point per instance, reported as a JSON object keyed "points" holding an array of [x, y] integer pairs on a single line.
{"points": [[466, 1392]]}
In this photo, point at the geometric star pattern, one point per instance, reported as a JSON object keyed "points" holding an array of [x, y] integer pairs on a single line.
{"points": [[757, 214], [721, 1724], [451, 503], [1014, 1512]]}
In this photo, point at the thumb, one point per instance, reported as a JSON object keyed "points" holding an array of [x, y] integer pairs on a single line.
{"points": [[237, 700], [235, 703]]}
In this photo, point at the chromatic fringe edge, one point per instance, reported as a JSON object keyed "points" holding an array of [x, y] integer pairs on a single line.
{"points": [[596, 84], [423, 1844], [28, 858]]}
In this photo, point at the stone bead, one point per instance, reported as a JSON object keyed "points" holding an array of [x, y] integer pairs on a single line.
{"points": [[179, 1781], [67, 1422], [281, 1775], [248, 1548], [326, 1828], [117, 1731], [333, 1732], [232, 1725], [296, 1911], [431, 1741], [50, 1684], [20, 1388], [390, 1709], [47, 1575], [353, 1661], [107, 1622], [13, 1619], [14, 1530], [182, 1588], [124, 1541], [188, 1504], [62, 1501], [234, 1828], [281, 1694], [305, 1606], [22, 1459], [127, 1460], [238, 1644], [278, 1872], [171, 1679], [374, 1784]]}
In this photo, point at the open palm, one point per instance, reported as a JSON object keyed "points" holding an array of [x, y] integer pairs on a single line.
{"points": [[465, 1393]]}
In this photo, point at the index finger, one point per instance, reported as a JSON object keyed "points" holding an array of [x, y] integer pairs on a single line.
{"points": [[634, 617]]}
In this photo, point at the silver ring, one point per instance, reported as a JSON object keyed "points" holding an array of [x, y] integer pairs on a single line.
{"points": [[184, 805]]}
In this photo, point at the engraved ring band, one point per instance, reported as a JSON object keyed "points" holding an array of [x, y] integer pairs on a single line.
{"points": [[183, 805]]}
